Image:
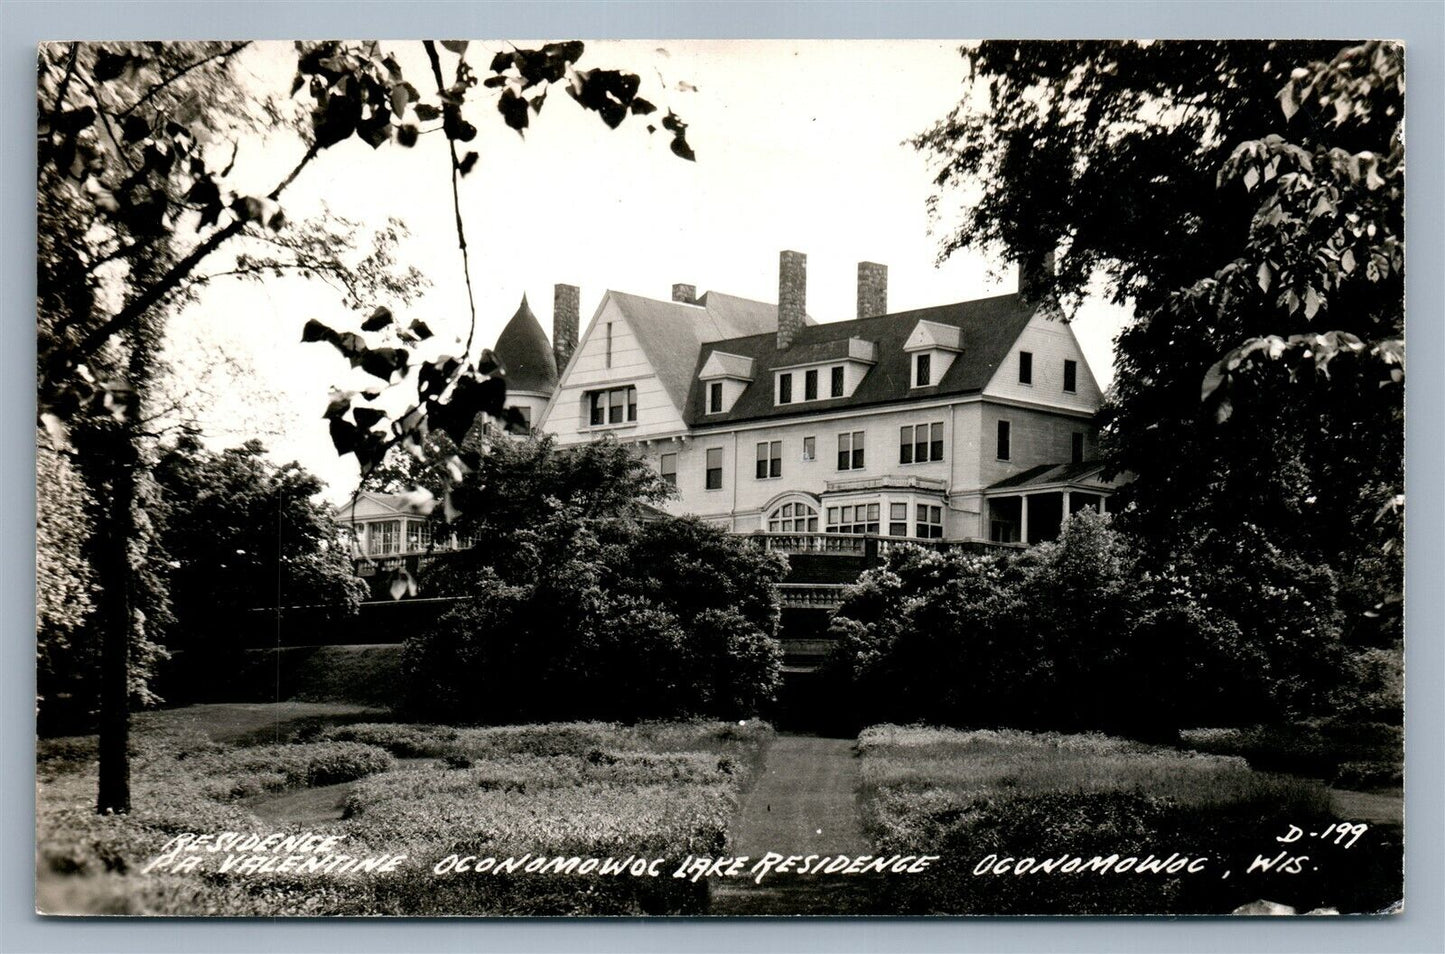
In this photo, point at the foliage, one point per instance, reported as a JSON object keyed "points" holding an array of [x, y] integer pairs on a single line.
{"points": [[136, 197], [1022, 796], [1085, 633], [1247, 198], [1334, 749], [246, 534], [583, 602]]}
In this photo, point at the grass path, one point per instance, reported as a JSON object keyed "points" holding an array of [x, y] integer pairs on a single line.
{"points": [[805, 803]]}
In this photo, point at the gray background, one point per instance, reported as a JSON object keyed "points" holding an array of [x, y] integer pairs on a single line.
{"points": [[23, 23]]}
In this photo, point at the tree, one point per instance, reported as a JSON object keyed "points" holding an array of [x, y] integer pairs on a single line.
{"points": [[579, 600], [1247, 198], [134, 197], [243, 534]]}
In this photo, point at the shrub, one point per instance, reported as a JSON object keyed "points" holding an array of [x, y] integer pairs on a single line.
{"points": [[402, 740]]}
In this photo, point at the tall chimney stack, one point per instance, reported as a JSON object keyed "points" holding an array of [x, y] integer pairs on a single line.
{"points": [[792, 296], [1035, 274], [687, 294], [566, 308], [872, 289]]}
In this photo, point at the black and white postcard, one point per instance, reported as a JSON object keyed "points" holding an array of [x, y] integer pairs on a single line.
{"points": [[720, 478]]}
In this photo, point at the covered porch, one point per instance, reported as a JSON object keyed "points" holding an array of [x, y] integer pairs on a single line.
{"points": [[1031, 507]]}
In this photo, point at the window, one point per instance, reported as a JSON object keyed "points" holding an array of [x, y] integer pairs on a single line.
{"points": [[1026, 367], [810, 448], [418, 536], [384, 538], [920, 443], [1003, 440], [924, 365], [853, 518], [609, 344], [714, 398], [929, 523], [850, 450], [770, 459], [837, 382], [1077, 447], [1071, 376], [526, 413], [667, 466], [793, 518], [810, 385], [714, 468], [616, 406], [785, 389], [898, 520]]}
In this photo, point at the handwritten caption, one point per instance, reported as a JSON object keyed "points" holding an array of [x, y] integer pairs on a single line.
{"points": [[309, 853]]}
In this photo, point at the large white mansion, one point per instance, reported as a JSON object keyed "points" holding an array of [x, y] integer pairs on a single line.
{"points": [[962, 422]]}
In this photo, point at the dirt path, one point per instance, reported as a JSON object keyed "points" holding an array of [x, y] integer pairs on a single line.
{"points": [[804, 804], [313, 806]]}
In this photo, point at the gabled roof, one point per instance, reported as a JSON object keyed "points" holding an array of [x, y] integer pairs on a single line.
{"points": [[526, 353], [671, 333], [399, 504], [987, 329], [1050, 474]]}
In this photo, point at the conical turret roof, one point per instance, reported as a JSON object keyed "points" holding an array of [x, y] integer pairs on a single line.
{"points": [[526, 353]]}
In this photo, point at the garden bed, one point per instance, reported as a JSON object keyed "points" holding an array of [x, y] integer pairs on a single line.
{"points": [[578, 790], [1034, 798]]}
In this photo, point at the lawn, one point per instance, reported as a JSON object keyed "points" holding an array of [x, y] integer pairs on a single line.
{"points": [[1037, 797], [577, 790]]}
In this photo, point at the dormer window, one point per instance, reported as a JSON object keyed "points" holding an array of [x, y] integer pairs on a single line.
{"points": [[836, 389], [785, 389], [724, 377], [810, 385], [933, 346]]}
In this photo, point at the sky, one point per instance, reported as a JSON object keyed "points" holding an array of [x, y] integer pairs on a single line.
{"points": [[800, 145]]}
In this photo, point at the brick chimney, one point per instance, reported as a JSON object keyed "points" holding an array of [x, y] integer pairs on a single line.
{"points": [[687, 294], [792, 296], [566, 308], [872, 289], [1034, 273]]}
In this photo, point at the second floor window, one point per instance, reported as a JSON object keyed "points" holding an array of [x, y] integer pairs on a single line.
{"points": [[667, 466], [924, 373], [810, 448], [810, 385], [1076, 449], [785, 389], [714, 398], [920, 443], [837, 381], [1026, 367], [850, 450], [1003, 440], [714, 468], [1071, 376], [770, 459], [614, 406]]}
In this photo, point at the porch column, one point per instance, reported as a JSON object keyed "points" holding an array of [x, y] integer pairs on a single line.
{"points": [[1065, 514], [1023, 518]]}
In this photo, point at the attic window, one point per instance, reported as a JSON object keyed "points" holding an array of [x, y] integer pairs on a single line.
{"points": [[923, 370], [1026, 367], [1071, 376], [715, 397]]}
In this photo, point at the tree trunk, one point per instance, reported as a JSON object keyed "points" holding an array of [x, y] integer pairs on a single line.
{"points": [[117, 460]]}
